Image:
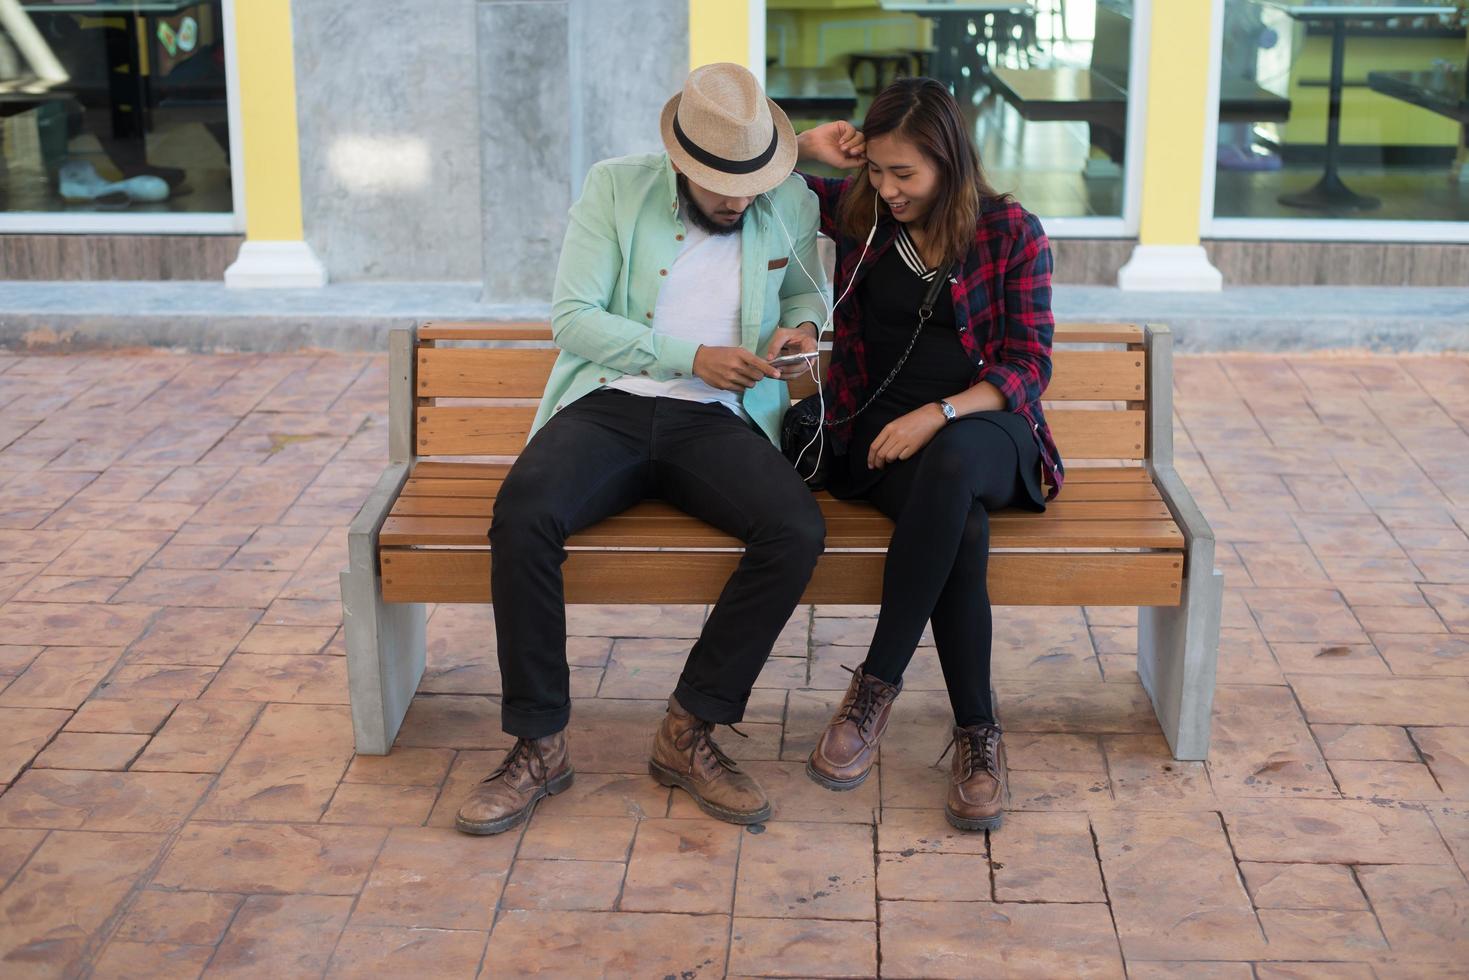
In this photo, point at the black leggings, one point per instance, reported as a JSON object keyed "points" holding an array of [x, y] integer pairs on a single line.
{"points": [[938, 560]]}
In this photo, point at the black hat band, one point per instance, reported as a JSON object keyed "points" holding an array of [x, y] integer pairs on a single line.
{"points": [[722, 164]]}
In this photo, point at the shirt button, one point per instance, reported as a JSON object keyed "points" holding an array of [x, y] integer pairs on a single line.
{"points": [[678, 374], [648, 315], [678, 238], [643, 373], [556, 409], [601, 381], [663, 272]]}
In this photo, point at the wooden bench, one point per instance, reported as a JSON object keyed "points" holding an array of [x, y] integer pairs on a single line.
{"points": [[1123, 532]]}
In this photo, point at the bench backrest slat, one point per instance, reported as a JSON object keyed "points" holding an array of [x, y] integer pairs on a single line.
{"points": [[481, 419]]}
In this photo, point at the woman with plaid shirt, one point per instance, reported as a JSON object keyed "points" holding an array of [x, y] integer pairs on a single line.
{"points": [[957, 433]]}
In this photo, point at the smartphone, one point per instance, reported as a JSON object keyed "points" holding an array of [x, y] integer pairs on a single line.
{"points": [[793, 359]]}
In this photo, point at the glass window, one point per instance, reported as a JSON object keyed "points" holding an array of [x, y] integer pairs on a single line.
{"points": [[1343, 109], [1044, 83], [115, 107]]}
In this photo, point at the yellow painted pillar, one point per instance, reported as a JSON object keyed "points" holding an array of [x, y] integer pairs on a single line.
{"points": [[719, 30], [275, 253], [1180, 51]]}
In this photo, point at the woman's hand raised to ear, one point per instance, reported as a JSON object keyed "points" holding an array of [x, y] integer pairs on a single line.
{"points": [[836, 144]]}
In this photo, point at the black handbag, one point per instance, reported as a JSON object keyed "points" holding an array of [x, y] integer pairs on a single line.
{"points": [[802, 438]]}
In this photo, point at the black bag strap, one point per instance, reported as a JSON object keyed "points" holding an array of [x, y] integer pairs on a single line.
{"points": [[925, 311]]}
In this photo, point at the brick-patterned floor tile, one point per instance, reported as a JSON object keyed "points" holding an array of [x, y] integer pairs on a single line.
{"points": [[255, 785], [156, 681], [156, 961], [87, 750], [1054, 753], [1365, 742], [108, 553], [200, 736], [290, 679], [682, 866], [1452, 604], [1329, 658], [436, 878], [217, 589], [287, 640], [1316, 971], [1045, 857], [23, 733], [402, 767], [271, 857], [587, 886], [1424, 911], [926, 831], [281, 936], [1382, 700], [1381, 780], [16, 847], [665, 621], [65, 894], [1260, 746], [1303, 616], [459, 722], [1424, 654], [794, 796], [1323, 934], [380, 804], [795, 870], [1144, 773], [370, 953], [554, 837], [966, 939], [155, 802], [192, 636], [60, 677], [802, 948], [1075, 708], [620, 943], [1174, 887], [1332, 832], [1245, 658], [1446, 750], [186, 918], [926, 876], [1302, 886], [1188, 970], [127, 717]]}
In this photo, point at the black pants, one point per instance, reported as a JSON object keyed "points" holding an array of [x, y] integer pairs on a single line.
{"points": [[938, 562], [599, 456]]}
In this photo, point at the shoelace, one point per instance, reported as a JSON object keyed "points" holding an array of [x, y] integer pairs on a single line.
{"points": [[865, 704], [978, 743], [701, 739], [518, 757]]}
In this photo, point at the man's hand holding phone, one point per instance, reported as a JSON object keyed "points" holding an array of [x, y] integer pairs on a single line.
{"points": [[789, 342]]}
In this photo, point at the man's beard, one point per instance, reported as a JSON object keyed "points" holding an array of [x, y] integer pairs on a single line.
{"points": [[700, 220]]}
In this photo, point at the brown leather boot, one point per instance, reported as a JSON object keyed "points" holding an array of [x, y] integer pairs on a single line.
{"points": [[976, 779], [533, 769], [684, 755], [844, 754]]}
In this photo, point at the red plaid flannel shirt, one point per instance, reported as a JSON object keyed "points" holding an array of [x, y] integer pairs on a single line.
{"points": [[1002, 310]]}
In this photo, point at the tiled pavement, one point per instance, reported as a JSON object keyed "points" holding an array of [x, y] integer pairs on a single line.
{"points": [[181, 795]]}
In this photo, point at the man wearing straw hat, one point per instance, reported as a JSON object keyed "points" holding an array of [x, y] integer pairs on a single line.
{"points": [[681, 278]]}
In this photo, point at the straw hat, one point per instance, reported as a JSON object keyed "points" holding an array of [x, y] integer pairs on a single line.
{"points": [[725, 135]]}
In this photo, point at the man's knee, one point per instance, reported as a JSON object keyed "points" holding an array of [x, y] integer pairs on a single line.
{"points": [[522, 512]]}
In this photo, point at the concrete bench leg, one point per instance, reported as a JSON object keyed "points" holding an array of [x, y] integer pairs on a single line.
{"points": [[1177, 652], [385, 658]]}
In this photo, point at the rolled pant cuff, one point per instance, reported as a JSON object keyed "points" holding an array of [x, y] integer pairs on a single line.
{"points": [[533, 724], [721, 711]]}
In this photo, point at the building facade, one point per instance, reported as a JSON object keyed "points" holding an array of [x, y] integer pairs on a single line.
{"points": [[1166, 144]]}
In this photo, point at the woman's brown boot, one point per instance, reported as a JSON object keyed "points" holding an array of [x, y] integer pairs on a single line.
{"points": [[844, 754], [976, 779]]}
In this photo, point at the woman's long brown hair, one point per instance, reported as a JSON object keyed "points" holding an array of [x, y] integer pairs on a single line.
{"points": [[921, 111]]}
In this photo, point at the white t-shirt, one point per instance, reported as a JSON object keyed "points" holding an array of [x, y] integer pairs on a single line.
{"points": [[699, 302]]}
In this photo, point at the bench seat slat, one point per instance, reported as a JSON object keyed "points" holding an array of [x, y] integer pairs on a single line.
{"points": [[868, 531], [1141, 579]]}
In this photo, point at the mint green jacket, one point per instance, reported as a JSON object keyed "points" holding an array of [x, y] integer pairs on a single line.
{"points": [[623, 237]]}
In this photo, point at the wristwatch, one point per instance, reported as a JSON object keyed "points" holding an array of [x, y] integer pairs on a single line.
{"points": [[948, 410]]}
